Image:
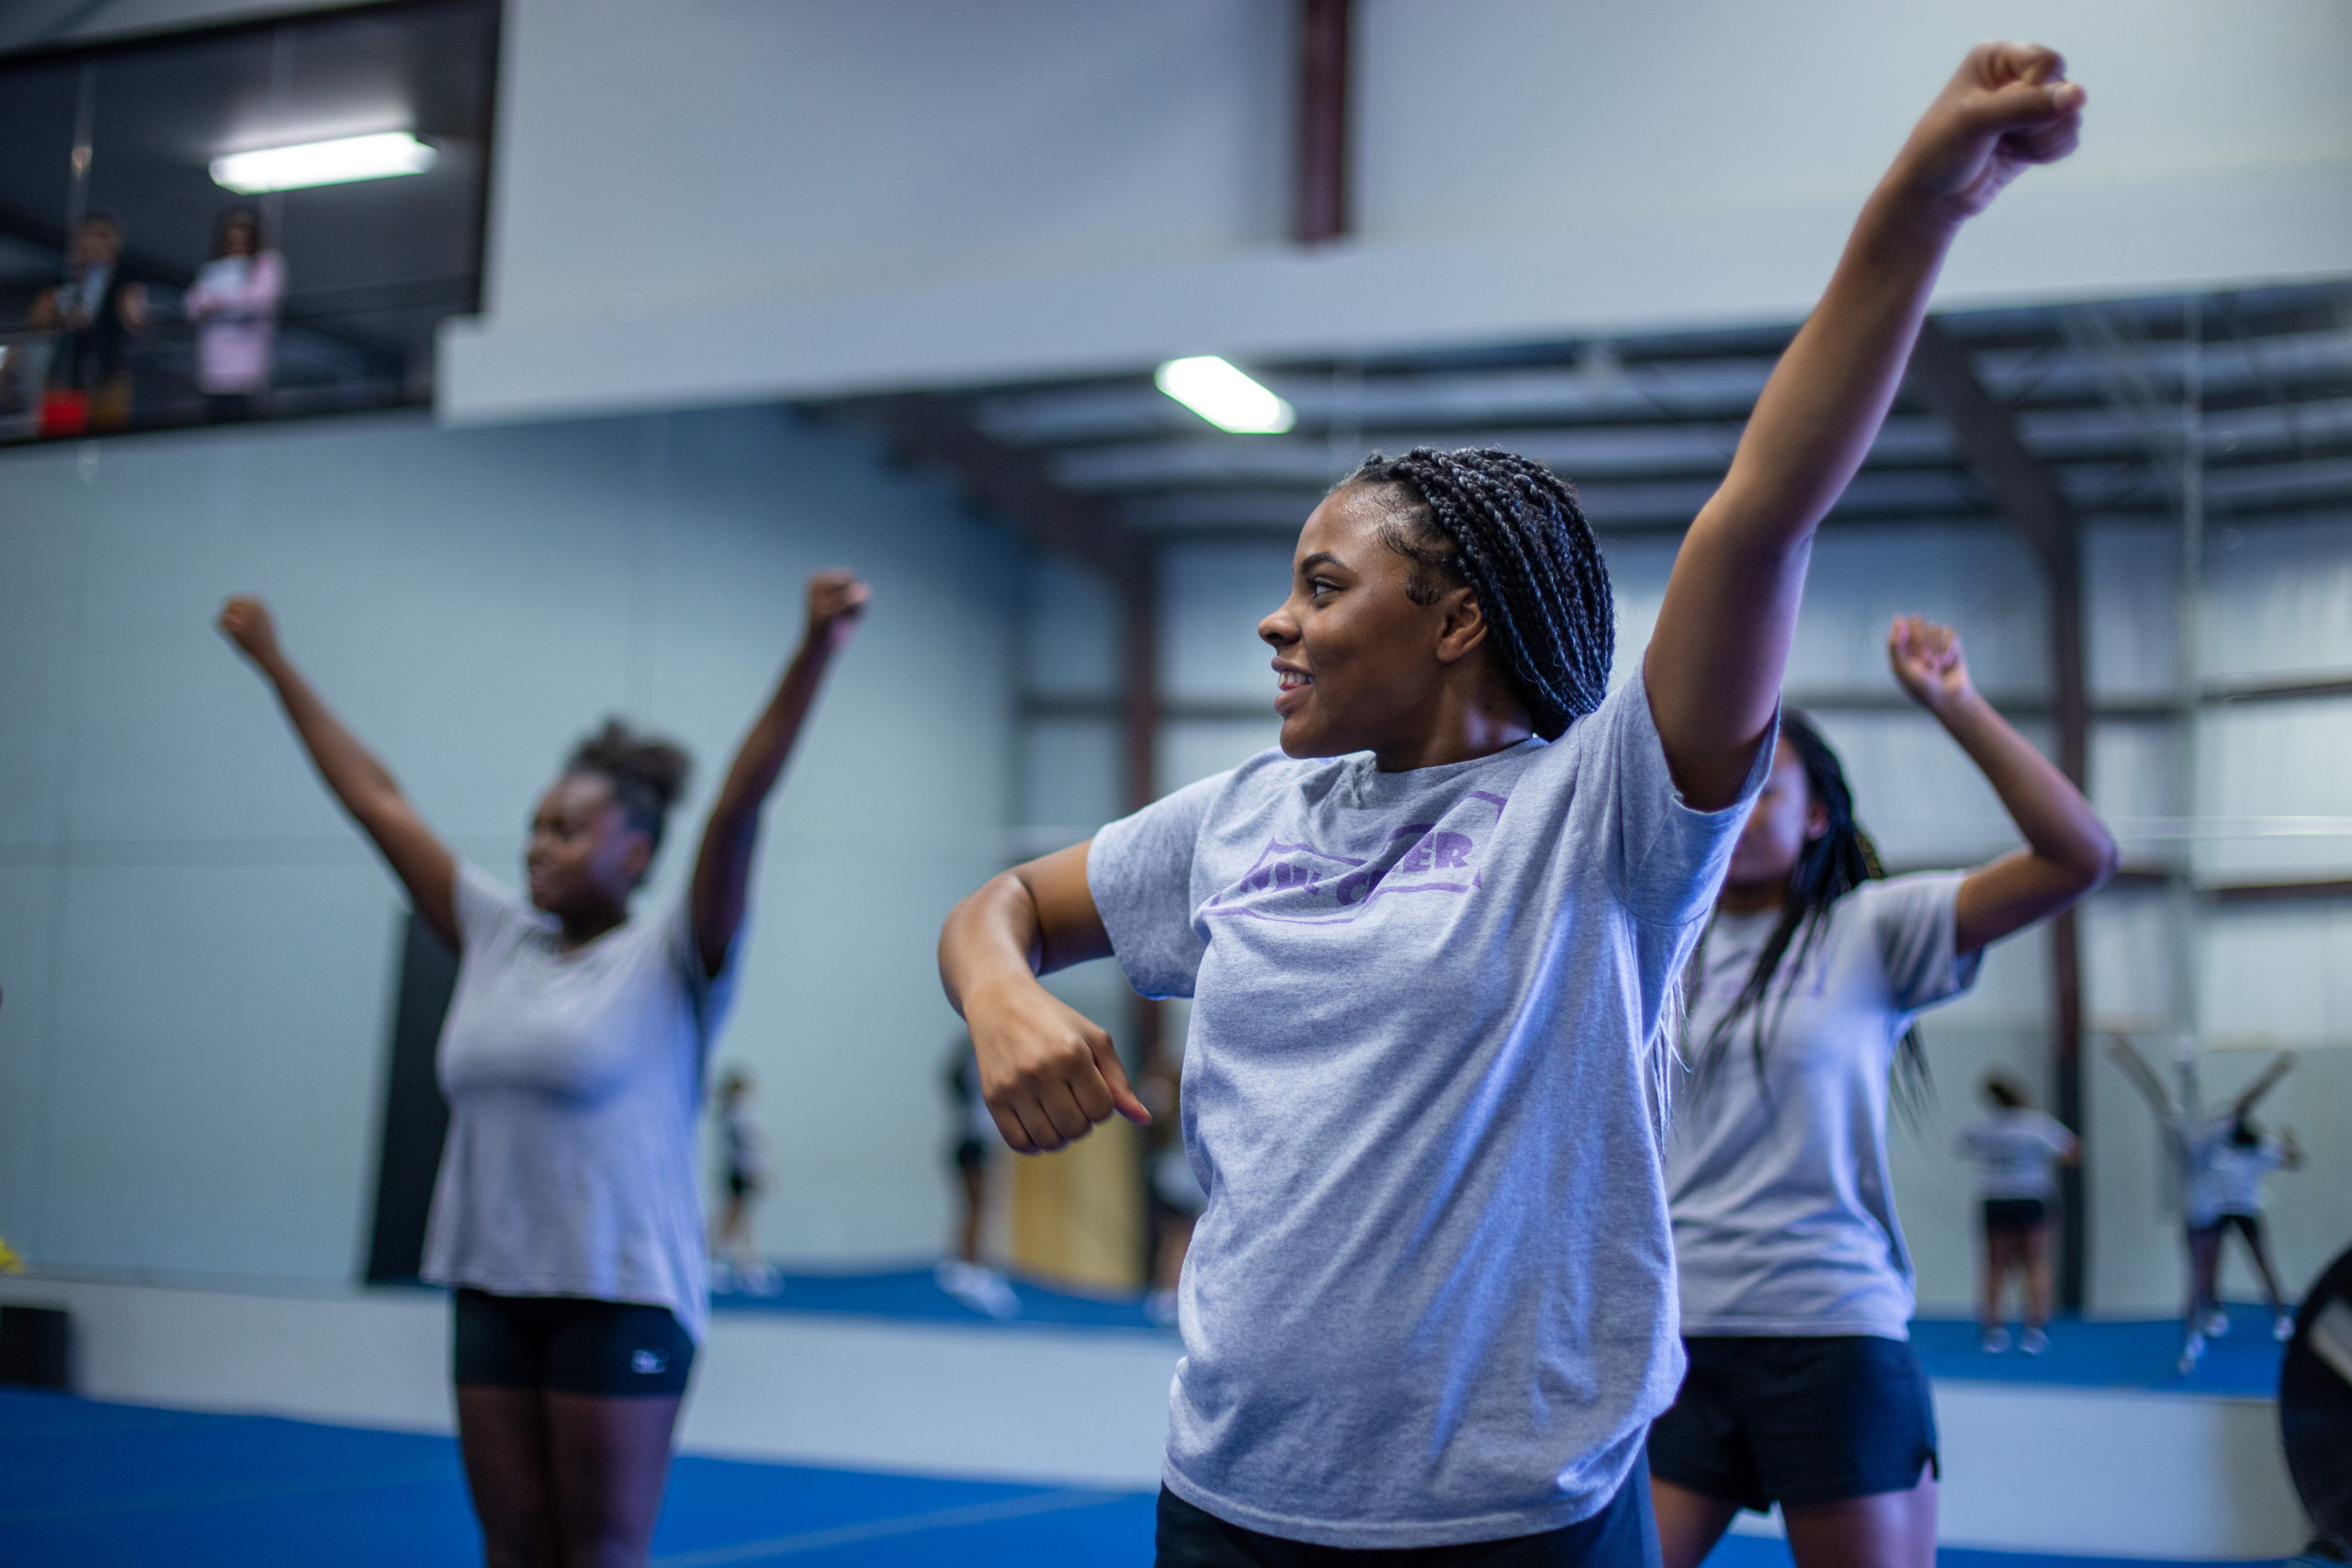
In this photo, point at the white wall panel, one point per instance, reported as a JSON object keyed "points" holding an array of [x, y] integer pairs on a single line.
{"points": [[1071, 775], [2131, 609], [1070, 631], [2276, 790], [1191, 750], [1980, 579], [2278, 600], [2139, 782], [1213, 596], [2279, 974]]}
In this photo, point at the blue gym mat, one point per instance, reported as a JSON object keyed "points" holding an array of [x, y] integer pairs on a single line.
{"points": [[2096, 1354], [85, 1485]]}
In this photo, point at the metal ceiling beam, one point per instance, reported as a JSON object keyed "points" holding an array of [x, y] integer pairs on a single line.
{"points": [[1017, 486], [1319, 199], [2029, 494]]}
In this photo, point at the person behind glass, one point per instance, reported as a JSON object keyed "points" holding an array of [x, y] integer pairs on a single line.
{"points": [[2018, 1151], [743, 1177], [233, 303], [1796, 1287], [93, 313], [971, 1152], [2222, 1161], [1432, 943], [568, 1213]]}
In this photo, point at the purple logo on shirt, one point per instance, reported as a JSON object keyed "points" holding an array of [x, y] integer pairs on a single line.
{"points": [[1301, 884]]}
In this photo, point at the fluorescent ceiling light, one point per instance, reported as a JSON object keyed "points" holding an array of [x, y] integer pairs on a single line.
{"points": [[340, 162], [1224, 396]]}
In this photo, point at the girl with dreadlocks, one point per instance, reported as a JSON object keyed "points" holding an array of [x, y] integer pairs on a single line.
{"points": [[567, 1217], [1803, 1389], [1431, 945]]}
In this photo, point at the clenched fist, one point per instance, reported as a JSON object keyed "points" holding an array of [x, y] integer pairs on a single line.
{"points": [[2008, 108], [246, 622]]}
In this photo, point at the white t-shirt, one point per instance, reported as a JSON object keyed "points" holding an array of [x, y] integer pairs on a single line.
{"points": [[2017, 1152], [574, 1079], [1430, 1298], [1783, 1204], [2225, 1178]]}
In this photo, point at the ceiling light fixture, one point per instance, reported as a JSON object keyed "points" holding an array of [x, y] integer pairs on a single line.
{"points": [[347, 158], [1224, 396]]}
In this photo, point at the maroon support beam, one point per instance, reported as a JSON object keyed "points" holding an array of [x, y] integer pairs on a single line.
{"points": [[1319, 199], [2027, 493]]}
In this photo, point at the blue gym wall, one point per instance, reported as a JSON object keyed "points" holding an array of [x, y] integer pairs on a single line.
{"points": [[198, 952]]}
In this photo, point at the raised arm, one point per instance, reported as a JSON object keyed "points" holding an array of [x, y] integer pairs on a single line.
{"points": [[1715, 662], [723, 865], [1048, 1072], [2068, 851], [2251, 1096], [2143, 1078], [363, 785]]}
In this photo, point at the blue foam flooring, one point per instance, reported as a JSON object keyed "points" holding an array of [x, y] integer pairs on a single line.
{"points": [[85, 1485], [2096, 1354]]}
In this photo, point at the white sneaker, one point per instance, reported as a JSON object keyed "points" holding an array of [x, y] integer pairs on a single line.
{"points": [[2282, 1327], [983, 1290], [2033, 1342], [759, 1280], [2192, 1351], [2217, 1324], [722, 1276], [1160, 1308], [1994, 1341]]}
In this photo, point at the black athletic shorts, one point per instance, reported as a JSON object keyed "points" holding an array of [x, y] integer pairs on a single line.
{"points": [[569, 1345], [969, 1153], [2015, 1214], [1622, 1535], [740, 1184], [1766, 1419], [2249, 1226]]}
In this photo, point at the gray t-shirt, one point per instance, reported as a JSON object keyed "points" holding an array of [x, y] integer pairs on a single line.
{"points": [[1430, 1298], [573, 1080], [2016, 1151], [2225, 1178], [1784, 1206]]}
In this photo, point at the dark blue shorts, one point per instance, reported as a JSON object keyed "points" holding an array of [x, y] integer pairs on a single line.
{"points": [[569, 1345], [1764, 1419], [1622, 1535]]}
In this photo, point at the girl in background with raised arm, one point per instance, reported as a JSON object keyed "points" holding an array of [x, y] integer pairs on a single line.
{"points": [[567, 1217], [1431, 944], [1796, 1293]]}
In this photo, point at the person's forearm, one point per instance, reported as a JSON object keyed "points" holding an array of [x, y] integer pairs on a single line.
{"points": [[760, 761], [350, 770], [2057, 823], [1817, 415], [993, 935]]}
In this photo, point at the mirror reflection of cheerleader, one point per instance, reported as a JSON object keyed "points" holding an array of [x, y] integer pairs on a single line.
{"points": [[2018, 1151], [2222, 1161], [735, 1260], [972, 1153]]}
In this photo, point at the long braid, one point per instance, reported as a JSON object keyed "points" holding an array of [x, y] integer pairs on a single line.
{"points": [[1513, 530], [1831, 866]]}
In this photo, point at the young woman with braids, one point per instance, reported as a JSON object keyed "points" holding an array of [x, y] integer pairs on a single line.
{"points": [[567, 1217], [1796, 1298], [1431, 944]]}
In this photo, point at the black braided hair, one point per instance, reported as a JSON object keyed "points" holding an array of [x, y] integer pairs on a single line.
{"points": [[1831, 866], [646, 774], [1511, 529]]}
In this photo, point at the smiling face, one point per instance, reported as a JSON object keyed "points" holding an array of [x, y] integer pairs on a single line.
{"points": [[1785, 819], [1360, 665], [584, 860]]}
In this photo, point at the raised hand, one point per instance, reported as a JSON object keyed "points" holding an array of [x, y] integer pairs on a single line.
{"points": [[246, 622], [2008, 108], [1048, 1072], [836, 600], [1928, 663]]}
